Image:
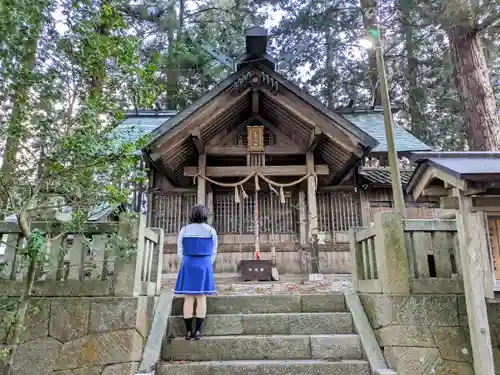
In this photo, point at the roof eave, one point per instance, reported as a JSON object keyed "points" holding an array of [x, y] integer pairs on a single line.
{"points": [[367, 140]]}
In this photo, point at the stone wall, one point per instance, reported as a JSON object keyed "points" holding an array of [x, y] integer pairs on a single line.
{"points": [[427, 334], [84, 336]]}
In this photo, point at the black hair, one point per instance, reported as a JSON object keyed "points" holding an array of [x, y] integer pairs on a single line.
{"points": [[198, 214]]}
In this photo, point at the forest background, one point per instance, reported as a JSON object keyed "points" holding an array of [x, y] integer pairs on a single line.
{"points": [[316, 41]]}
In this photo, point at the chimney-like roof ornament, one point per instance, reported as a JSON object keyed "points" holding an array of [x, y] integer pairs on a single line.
{"points": [[256, 48]]}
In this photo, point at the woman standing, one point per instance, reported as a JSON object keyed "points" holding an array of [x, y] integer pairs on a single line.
{"points": [[197, 248]]}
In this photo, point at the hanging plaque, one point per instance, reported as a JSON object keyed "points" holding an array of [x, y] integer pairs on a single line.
{"points": [[255, 138]]}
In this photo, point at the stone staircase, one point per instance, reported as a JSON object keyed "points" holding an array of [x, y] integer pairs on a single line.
{"points": [[263, 335]]}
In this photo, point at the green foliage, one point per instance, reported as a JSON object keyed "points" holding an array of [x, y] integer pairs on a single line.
{"points": [[67, 148]]}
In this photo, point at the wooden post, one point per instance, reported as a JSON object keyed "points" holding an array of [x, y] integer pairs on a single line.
{"points": [[303, 217], [477, 314], [149, 220], [313, 212], [157, 263], [256, 221], [201, 182], [210, 205]]}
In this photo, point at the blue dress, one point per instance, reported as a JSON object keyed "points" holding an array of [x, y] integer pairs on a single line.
{"points": [[197, 248]]}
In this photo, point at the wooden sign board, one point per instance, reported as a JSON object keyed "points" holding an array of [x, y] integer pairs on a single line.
{"points": [[255, 138]]}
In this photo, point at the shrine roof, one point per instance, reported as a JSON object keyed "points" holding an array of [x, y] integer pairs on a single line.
{"points": [[382, 175], [371, 122], [474, 167]]}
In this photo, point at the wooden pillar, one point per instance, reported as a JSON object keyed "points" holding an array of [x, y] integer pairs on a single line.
{"points": [[210, 205], [201, 182], [149, 220], [472, 273], [256, 222], [312, 207], [303, 218]]}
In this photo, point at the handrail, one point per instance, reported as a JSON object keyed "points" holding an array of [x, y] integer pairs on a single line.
{"points": [[152, 350], [369, 342]]}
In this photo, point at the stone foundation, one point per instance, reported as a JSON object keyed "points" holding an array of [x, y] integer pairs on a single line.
{"points": [[427, 334], [83, 336]]}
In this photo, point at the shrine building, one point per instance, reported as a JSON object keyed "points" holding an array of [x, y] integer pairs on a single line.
{"points": [[259, 149]]}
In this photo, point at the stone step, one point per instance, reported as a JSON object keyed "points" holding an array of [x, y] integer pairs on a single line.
{"points": [[267, 367], [229, 348], [268, 324], [259, 304]]}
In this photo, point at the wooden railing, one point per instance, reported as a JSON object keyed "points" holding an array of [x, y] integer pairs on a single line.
{"points": [[396, 254], [365, 258], [121, 258], [432, 249]]}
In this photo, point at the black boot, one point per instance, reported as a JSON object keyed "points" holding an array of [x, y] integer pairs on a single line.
{"points": [[189, 328], [197, 333]]}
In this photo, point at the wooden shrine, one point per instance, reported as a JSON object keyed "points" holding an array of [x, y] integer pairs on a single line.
{"points": [[280, 173]]}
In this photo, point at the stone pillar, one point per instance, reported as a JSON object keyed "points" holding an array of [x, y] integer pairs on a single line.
{"points": [[390, 249], [201, 182]]}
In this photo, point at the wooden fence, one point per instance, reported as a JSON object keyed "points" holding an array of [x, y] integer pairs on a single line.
{"points": [[429, 255], [123, 258]]}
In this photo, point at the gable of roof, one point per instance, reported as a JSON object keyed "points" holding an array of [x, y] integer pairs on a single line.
{"points": [[369, 141]]}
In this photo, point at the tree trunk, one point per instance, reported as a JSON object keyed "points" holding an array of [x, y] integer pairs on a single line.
{"points": [[417, 121], [14, 127], [475, 90], [372, 57], [329, 74]]}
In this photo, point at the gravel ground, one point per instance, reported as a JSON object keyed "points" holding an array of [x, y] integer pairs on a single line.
{"points": [[330, 284]]}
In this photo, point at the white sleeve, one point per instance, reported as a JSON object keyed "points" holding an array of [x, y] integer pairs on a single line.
{"points": [[180, 250], [215, 245]]}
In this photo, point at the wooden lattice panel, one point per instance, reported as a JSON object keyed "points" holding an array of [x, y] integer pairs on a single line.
{"points": [[255, 138], [494, 229]]}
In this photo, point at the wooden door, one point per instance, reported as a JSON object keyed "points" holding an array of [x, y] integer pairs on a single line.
{"points": [[494, 230]]}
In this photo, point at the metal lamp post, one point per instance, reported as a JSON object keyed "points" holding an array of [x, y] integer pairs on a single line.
{"points": [[374, 37]]}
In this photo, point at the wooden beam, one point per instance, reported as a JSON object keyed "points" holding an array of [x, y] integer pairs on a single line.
{"points": [[435, 191], [167, 171], [242, 151], [424, 181], [282, 170], [314, 139], [198, 142], [473, 277], [448, 203], [255, 101], [486, 204], [309, 115]]}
